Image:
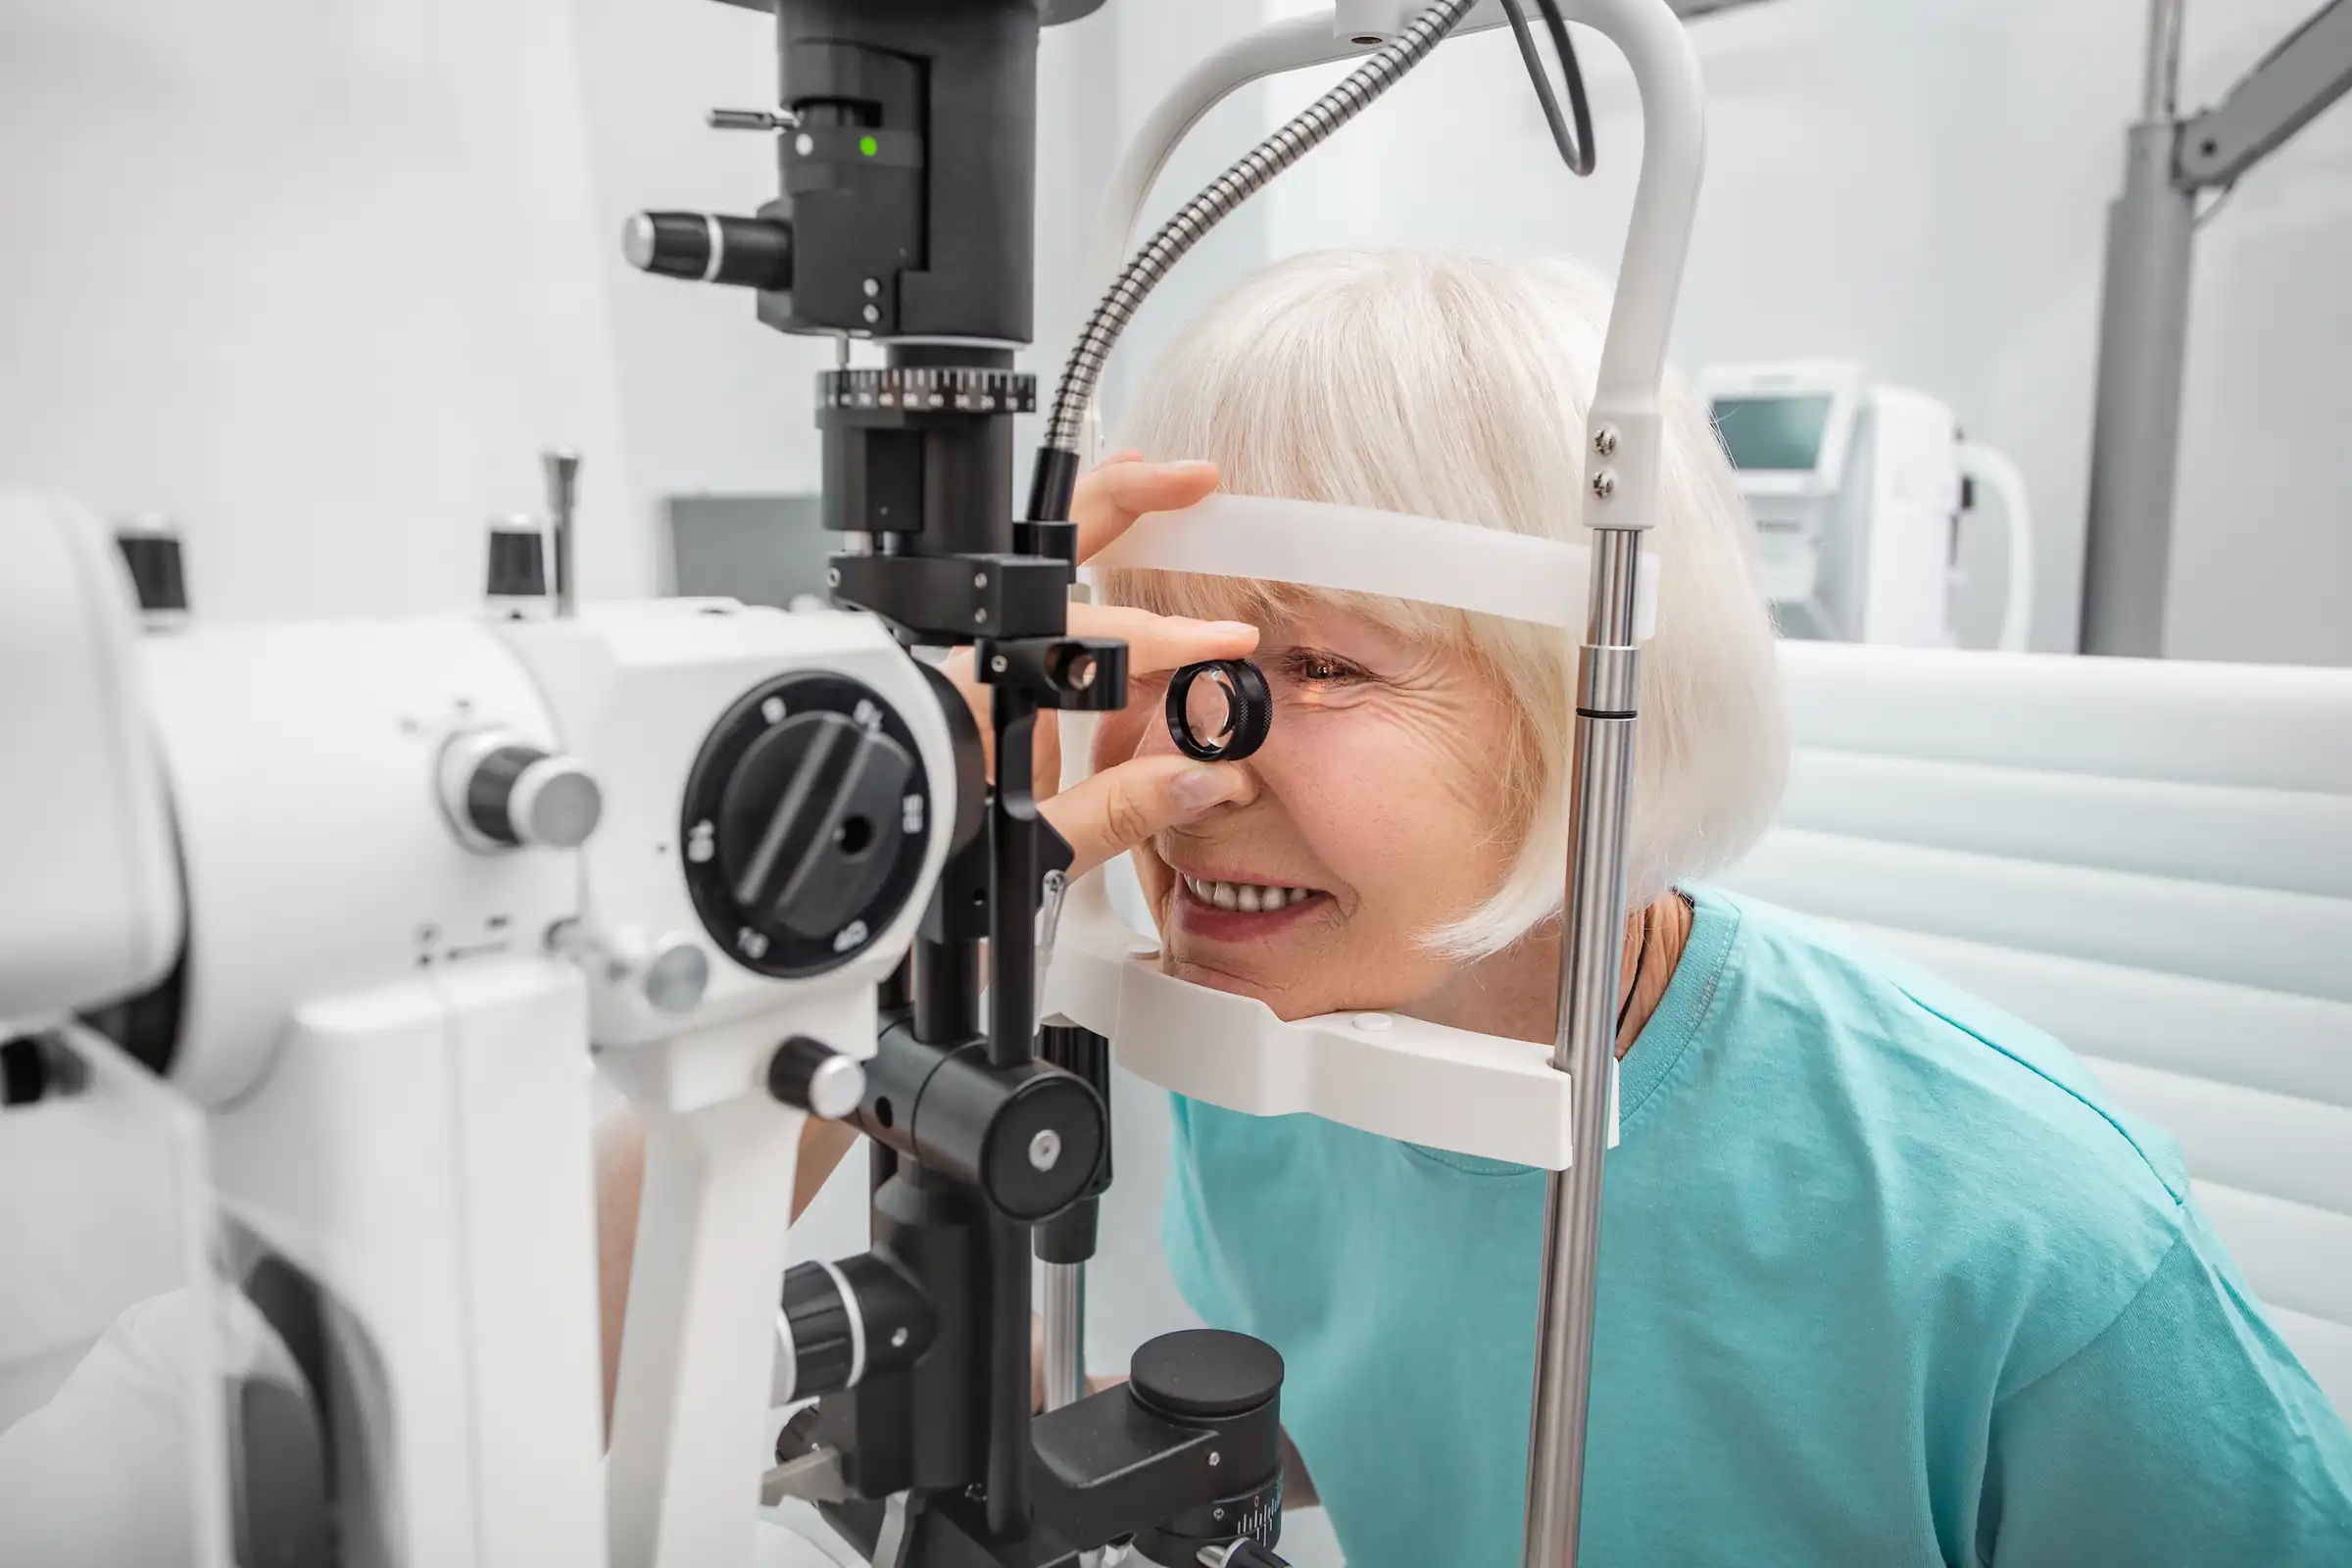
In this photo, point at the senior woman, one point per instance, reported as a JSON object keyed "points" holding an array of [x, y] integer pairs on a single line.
{"points": [[1885, 1278]]}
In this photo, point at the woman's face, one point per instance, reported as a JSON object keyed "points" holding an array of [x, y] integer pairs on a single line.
{"points": [[1382, 816]]}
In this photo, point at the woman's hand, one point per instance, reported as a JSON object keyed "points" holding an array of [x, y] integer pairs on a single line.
{"points": [[1125, 805]]}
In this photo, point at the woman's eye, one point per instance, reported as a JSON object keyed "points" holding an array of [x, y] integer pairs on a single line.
{"points": [[1321, 669]]}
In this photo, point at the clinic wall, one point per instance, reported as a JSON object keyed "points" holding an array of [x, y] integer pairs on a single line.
{"points": [[313, 278], [1924, 186]]}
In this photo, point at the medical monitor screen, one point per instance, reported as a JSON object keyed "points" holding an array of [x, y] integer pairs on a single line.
{"points": [[1780, 433]]}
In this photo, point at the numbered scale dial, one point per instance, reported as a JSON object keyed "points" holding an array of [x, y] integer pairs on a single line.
{"points": [[805, 820]]}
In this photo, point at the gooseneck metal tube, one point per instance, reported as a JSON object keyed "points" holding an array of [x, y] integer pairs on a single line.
{"points": [[1307, 131]]}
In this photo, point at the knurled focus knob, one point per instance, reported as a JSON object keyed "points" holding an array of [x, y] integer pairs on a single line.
{"points": [[711, 248], [501, 792]]}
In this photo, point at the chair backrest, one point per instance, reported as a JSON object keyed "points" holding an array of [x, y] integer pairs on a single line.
{"points": [[2150, 859]]}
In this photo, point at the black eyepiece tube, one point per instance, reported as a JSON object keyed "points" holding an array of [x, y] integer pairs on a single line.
{"points": [[1051, 484], [711, 248]]}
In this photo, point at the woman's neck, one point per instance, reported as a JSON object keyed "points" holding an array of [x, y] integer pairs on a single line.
{"points": [[1515, 992]]}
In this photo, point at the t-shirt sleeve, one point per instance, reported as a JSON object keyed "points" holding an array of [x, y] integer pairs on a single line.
{"points": [[2185, 1433]]}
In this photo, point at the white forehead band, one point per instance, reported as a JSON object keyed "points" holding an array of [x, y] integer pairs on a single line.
{"points": [[1396, 554]]}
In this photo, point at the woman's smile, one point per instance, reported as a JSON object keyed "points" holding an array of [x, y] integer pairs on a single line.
{"points": [[1234, 907]]}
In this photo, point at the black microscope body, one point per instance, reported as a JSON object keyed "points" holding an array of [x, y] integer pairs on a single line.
{"points": [[907, 148]]}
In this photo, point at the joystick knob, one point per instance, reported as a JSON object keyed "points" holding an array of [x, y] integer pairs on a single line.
{"points": [[501, 792]]}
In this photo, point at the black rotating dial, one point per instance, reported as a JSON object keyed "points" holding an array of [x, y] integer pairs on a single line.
{"points": [[805, 820]]}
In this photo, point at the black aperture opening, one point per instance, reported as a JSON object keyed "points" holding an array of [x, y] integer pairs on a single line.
{"points": [[855, 836]]}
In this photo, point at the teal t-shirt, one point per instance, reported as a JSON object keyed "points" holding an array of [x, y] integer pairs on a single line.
{"points": [[1884, 1280]]}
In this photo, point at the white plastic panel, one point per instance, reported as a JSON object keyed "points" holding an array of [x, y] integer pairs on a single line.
{"points": [[2324, 1347], [2288, 1045], [2151, 859], [2295, 841], [2292, 1253], [2274, 1143], [2263, 725], [2245, 936]]}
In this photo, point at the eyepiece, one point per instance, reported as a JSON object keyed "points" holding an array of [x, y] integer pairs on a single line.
{"points": [[709, 248]]}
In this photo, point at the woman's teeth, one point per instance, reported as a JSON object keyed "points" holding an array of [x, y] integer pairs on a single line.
{"points": [[1249, 898]]}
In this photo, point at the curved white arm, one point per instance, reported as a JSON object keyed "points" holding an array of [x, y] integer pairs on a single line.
{"points": [[1995, 471]]}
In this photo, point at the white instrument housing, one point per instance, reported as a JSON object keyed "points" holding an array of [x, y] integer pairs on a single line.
{"points": [[1857, 492], [93, 908]]}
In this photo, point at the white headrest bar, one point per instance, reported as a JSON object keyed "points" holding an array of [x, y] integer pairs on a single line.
{"points": [[1358, 549]]}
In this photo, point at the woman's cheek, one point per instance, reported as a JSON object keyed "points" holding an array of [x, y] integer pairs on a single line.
{"points": [[1371, 803]]}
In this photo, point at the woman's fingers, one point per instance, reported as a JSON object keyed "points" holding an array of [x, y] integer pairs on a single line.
{"points": [[1123, 807], [1157, 642], [1110, 498]]}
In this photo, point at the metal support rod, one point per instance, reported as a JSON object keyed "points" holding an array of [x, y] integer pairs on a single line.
{"points": [[561, 468], [1585, 1046], [2160, 90], [2136, 422], [1065, 1334]]}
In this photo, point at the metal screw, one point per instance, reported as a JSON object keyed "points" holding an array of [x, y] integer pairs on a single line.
{"points": [[898, 1340], [873, 288], [1215, 1460], [1604, 484], [833, 577], [873, 313], [1045, 1153], [980, 580], [997, 664], [803, 144], [979, 617], [1604, 440]]}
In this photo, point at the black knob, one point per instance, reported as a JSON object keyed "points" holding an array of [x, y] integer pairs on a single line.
{"points": [[1206, 1374], [150, 547], [810, 818], [844, 1322], [517, 563], [754, 252], [804, 825], [815, 1078], [504, 793]]}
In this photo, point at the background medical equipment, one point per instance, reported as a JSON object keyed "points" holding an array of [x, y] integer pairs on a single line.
{"points": [[2169, 164], [1857, 491]]}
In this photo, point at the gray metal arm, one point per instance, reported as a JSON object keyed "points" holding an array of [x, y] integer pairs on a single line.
{"points": [[2143, 326], [2294, 85]]}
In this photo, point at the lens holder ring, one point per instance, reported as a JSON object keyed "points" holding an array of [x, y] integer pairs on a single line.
{"points": [[1250, 708]]}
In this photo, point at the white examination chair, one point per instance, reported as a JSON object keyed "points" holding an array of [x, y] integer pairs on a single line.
{"points": [[2152, 860]]}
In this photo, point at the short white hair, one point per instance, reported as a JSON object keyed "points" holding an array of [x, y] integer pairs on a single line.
{"points": [[1457, 387]]}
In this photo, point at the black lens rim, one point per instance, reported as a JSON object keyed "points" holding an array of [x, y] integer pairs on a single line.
{"points": [[1252, 709]]}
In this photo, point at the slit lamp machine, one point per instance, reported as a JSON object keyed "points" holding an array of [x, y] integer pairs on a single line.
{"points": [[368, 896]]}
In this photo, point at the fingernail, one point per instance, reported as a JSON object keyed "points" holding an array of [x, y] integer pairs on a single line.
{"points": [[1198, 789], [1191, 464], [1235, 628]]}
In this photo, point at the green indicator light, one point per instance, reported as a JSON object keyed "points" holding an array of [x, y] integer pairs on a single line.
{"points": [[868, 146]]}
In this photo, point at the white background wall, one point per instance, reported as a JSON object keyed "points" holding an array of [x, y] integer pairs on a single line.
{"points": [[316, 276], [1924, 186], [321, 278]]}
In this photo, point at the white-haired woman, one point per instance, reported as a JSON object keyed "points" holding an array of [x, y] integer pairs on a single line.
{"points": [[1885, 1279]]}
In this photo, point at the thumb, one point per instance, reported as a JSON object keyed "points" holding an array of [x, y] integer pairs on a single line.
{"points": [[1123, 806]]}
